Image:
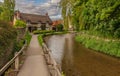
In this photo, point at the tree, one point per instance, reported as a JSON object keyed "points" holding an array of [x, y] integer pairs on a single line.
{"points": [[102, 16], [8, 10], [66, 12], [1, 8]]}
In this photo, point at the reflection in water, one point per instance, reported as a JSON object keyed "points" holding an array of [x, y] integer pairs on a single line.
{"points": [[76, 60], [57, 47], [68, 61], [69, 50]]}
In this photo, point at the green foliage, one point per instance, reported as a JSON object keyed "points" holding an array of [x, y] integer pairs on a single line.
{"points": [[49, 32], [108, 47], [42, 31], [102, 16], [7, 10], [20, 24], [60, 27], [18, 45], [66, 6], [40, 39], [46, 33], [117, 33], [28, 37], [1, 10], [7, 34]]}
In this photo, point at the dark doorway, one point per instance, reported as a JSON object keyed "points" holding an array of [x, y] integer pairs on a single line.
{"points": [[43, 27], [31, 29], [54, 28]]}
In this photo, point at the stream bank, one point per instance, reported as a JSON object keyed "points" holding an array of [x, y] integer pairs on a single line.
{"points": [[76, 60]]}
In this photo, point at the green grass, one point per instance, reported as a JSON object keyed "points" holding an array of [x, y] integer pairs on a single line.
{"points": [[40, 39], [46, 33], [28, 38], [58, 33], [108, 47], [42, 31], [49, 32]]}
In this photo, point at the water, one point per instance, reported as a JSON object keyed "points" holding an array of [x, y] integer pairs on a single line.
{"points": [[76, 60]]}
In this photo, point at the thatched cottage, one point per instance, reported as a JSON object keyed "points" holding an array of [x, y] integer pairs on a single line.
{"points": [[33, 21]]}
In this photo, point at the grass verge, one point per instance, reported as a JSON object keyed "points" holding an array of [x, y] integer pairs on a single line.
{"points": [[40, 39], [28, 38], [108, 47], [46, 33]]}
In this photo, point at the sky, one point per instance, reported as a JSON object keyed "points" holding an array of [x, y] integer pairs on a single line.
{"points": [[40, 7], [1, 0]]}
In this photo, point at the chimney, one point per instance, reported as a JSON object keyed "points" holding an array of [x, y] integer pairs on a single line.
{"points": [[18, 14]]}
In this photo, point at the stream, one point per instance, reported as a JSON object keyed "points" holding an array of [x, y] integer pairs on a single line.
{"points": [[76, 60]]}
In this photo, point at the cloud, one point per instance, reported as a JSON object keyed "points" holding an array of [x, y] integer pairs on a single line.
{"points": [[55, 1], [39, 7], [1, 0], [56, 17]]}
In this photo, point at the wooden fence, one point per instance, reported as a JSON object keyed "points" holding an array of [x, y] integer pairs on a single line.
{"points": [[55, 69], [15, 60]]}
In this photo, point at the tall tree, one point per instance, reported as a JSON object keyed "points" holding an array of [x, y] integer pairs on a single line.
{"points": [[102, 16], [8, 10], [66, 12], [1, 8]]}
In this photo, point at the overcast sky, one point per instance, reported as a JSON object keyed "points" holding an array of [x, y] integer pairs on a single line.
{"points": [[1, 0], [40, 7]]}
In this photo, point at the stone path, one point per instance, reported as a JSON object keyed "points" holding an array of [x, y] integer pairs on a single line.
{"points": [[34, 64]]}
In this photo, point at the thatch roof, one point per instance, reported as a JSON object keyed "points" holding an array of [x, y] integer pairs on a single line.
{"points": [[33, 18]]}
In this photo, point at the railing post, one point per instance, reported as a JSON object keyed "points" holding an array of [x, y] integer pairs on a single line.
{"points": [[16, 62]]}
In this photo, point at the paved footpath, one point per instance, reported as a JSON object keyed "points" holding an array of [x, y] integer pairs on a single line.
{"points": [[34, 64]]}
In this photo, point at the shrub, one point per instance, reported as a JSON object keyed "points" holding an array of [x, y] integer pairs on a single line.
{"points": [[117, 33], [20, 24], [18, 45], [8, 36], [60, 27]]}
